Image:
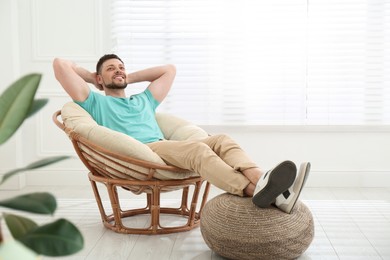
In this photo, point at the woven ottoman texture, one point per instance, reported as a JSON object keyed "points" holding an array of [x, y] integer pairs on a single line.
{"points": [[235, 228]]}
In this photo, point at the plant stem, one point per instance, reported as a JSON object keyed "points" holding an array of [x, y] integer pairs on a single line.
{"points": [[1, 235]]}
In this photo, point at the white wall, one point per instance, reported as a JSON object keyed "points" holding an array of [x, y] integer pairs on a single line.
{"points": [[9, 68], [36, 31], [33, 32], [340, 156]]}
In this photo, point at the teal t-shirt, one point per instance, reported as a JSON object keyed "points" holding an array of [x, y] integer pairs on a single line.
{"points": [[134, 116]]}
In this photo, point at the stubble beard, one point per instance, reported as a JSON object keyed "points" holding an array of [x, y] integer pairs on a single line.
{"points": [[116, 86], [113, 85]]}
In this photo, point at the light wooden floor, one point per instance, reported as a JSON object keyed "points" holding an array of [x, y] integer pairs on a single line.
{"points": [[350, 223]]}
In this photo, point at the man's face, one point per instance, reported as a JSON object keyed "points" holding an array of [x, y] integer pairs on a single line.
{"points": [[113, 74]]}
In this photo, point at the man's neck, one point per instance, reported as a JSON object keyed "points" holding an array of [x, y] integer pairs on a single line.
{"points": [[119, 93]]}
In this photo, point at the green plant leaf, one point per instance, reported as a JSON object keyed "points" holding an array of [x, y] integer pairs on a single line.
{"points": [[45, 162], [38, 202], [18, 225], [58, 238], [31, 166], [15, 104], [37, 105]]}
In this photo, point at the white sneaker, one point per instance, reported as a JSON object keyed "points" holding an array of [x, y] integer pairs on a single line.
{"points": [[286, 201], [274, 183]]}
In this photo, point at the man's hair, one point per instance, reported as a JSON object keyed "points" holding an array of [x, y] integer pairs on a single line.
{"points": [[103, 59]]}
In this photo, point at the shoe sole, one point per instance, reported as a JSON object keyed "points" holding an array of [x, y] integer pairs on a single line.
{"points": [[281, 178], [305, 168]]}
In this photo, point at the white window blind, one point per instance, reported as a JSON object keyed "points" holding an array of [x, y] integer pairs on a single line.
{"points": [[251, 62]]}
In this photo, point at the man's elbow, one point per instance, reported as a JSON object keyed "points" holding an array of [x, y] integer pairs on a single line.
{"points": [[60, 66], [57, 64], [171, 69], [62, 63]]}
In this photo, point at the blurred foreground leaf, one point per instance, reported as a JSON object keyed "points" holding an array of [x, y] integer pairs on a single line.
{"points": [[58, 238], [19, 226], [38, 202], [15, 104], [32, 166]]}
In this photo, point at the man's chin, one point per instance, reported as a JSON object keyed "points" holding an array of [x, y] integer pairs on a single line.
{"points": [[115, 86]]}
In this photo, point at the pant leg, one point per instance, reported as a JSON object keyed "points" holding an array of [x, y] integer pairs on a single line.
{"points": [[229, 151], [197, 156]]}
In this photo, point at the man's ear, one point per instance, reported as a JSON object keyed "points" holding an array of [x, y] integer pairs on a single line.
{"points": [[99, 81]]}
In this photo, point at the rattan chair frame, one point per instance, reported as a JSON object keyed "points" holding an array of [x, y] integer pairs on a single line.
{"points": [[100, 173]]}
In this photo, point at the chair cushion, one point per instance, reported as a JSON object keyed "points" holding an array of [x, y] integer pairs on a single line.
{"points": [[173, 128]]}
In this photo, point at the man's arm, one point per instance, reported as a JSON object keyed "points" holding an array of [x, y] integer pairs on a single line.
{"points": [[161, 79], [73, 79]]}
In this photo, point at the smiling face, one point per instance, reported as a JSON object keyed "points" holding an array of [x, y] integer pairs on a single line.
{"points": [[112, 74]]}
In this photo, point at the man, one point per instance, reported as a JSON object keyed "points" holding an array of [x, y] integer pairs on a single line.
{"points": [[217, 158]]}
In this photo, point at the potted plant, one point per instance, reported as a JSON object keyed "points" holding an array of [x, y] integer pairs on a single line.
{"points": [[57, 238]]}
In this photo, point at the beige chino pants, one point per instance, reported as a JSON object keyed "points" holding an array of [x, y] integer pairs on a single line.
{"points": [[218, 159]]}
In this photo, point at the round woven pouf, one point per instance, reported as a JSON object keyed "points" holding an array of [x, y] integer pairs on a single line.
{"points": [[235, 228]]}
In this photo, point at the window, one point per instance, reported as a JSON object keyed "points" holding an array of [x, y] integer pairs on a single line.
{"points": [[258, 62]]}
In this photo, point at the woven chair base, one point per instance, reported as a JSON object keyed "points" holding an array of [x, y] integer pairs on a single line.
{"points": [[152, 189], [235, 228]]}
